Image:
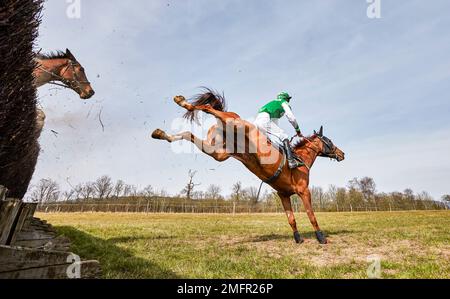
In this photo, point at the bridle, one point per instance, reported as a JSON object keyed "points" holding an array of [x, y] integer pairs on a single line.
{"points": [[66, 83], [328, 150]]}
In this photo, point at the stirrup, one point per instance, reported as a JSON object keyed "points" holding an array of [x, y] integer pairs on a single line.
{"points": [[293, 163]]}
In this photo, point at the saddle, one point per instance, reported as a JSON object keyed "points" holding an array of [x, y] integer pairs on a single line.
{"points": [[282, 150]]}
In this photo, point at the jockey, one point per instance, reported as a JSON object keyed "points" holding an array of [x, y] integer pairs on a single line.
{"points": [[267, 121]]}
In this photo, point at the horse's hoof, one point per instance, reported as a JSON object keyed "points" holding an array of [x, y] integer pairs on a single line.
{"points": [[179, 100], [321, 238], [298, 238], [159, 134]]}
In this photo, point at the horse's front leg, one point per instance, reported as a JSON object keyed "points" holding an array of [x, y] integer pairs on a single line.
{"points": [[286, 201], [305, 195]]}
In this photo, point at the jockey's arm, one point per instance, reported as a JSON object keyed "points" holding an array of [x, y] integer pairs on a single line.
{"points": [[290, 116]]}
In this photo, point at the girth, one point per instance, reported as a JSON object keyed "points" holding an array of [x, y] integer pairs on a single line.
{"points": [[279, 170]]}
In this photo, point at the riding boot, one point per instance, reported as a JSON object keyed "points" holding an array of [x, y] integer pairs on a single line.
{"points": [[291, 161]]}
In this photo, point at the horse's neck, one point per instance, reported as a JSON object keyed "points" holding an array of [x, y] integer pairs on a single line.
{"points": [[308, 153], [45, 68]]}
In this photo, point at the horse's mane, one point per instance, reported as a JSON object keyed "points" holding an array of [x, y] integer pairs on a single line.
{"points": [[53, 55], [301, 143], [208, 97]]}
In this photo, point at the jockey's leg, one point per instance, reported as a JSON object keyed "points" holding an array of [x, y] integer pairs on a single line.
{"points": [[262, 122], [279, 133], [292, 162]]}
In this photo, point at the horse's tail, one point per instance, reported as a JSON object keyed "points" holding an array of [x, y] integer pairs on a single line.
{"points": [[208, 97]]}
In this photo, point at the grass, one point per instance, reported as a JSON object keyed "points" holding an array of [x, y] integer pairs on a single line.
{"points": [[409, 244]]}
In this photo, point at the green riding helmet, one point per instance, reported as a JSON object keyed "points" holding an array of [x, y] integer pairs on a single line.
{"points": [[284, 96]]}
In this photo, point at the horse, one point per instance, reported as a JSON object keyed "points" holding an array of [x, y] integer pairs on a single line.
{"points": [[258, 153], [62, 69]]}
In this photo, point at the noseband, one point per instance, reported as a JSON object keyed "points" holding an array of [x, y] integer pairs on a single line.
{"points": [[328, 148]]}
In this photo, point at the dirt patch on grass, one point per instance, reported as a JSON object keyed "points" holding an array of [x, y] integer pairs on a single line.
{"points": [[342, 249]]}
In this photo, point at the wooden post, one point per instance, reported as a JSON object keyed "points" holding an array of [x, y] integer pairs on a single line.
{"points": [[234, 208], [148, 202], [3, 191], [9, 210]]}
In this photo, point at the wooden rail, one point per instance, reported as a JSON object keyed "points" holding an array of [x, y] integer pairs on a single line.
{"points": [[31, 248]]}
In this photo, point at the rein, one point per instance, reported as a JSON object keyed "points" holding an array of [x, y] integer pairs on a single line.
{"points": [[67, 83]]}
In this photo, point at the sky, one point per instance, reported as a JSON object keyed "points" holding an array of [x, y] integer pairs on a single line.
{"points": [[379, 86]]}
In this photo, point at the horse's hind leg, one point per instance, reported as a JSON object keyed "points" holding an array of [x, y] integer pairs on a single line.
{"points": [[205, 146], [160, 134], [286, 201], [221, 115]]}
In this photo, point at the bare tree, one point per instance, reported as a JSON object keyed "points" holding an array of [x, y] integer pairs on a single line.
{"points": [[409, 195], [69, 195], [148, 191], [103, 187], [118, 188], [134, 192], [161, 193], [189, 188], [46, 190], [426, 199], [78, 189], [353, 184], [213, 192], [317, 196], [237, 191], [367, 187], [331, 194], [88, 190], [198, 195], [251, 194], [126, 190], [446, 198]]}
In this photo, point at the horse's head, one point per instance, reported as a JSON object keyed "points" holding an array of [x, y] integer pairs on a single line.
{"points": [[74, 77], [327, 148]]}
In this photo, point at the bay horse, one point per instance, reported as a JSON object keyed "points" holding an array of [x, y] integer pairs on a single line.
{"points": [[257, 153], [62, 69]]}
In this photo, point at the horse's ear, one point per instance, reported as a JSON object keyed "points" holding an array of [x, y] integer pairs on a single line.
{"points": [[69, 54], [321, 131]]}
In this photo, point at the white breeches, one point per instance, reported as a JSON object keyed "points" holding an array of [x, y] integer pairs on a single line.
{"points": [[270, 127]]}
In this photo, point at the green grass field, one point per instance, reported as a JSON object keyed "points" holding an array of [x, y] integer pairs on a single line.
{"points": [[410, 244]]}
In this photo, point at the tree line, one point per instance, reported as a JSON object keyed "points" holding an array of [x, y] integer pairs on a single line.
{"points": [[358, 195]]}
